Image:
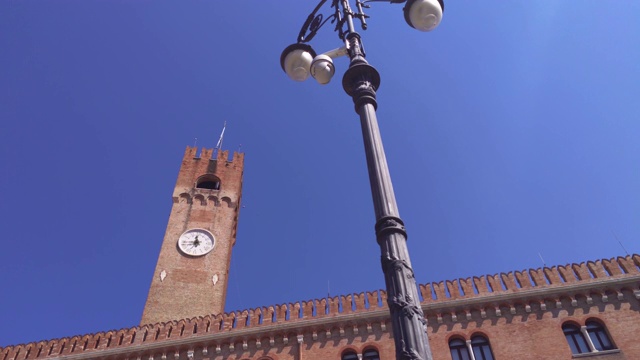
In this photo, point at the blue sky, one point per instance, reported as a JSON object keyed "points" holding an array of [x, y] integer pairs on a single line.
{"points": [[511, 131]]}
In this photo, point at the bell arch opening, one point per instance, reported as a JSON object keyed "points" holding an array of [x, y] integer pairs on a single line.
{"points": [[208, 181]]}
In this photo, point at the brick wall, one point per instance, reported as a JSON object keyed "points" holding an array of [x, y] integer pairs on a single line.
{"points": [[182, 286], [521, 320]]}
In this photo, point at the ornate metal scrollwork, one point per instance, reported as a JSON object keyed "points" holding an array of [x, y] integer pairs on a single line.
{"points": [[392, 264], [408, 308], [315, 22]]}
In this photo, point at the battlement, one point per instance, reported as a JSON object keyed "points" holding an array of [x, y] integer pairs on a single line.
{"points": [[591, 276], [207, 165], [221, 156], [532, 279]]}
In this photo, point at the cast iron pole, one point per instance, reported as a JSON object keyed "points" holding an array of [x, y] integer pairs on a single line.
{"points": [[361, 81]]}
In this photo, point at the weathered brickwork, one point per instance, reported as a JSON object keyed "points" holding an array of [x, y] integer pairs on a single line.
{"points": [[201, 281], [521, 316]]}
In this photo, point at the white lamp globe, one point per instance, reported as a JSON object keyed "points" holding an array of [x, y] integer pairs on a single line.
{"points": [[322, 69], [424, 15], [296, 61]]}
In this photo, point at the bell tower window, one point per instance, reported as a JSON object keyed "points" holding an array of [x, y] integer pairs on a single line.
{"points": [[210, 182]]}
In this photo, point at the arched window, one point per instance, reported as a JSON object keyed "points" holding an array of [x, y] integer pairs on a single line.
{"points": [[481, 348], [459, 349], [208, 181], [576, 340], [371, 354], [349, 355], [599, 336]]}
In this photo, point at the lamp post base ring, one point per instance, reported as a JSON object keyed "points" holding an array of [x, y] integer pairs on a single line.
{"points": [[358, 73], [390, 224]]}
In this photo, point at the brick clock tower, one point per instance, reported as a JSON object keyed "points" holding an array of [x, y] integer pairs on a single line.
{"points": [[191, 275]]}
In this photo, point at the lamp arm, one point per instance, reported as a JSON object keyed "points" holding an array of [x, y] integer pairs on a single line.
{"points": [[315, 21], [336, 53]]}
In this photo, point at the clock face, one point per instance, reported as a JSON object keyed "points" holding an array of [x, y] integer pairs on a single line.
{"points": [[196, 242]]}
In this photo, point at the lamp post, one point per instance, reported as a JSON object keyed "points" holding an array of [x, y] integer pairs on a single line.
{"points": [[361, 81]]}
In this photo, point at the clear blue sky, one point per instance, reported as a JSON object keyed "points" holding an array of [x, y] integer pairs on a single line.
{"points": [[511, 130]]}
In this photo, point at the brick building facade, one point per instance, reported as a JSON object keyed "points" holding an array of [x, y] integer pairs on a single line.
{"points": [[589, 309]]}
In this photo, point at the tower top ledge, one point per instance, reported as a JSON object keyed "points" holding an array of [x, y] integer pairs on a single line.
{"points": [[212, 155]]}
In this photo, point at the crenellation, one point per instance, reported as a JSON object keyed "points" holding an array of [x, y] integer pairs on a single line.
{"points": [[383, 299], [612, 267], [281, 313], [627, 265], [192, 326], [439, 289], [82, 343], [480, 283], [346, 303], [29, 348], [255, 317], [228, 321], [552, 275], [596, 269], [128, 339], [295, 311], [468, 287], [308, 309], [14, 353], [538, 278], [237, 157], [425, 291], [217, 323], [242, 319], [333, 303], [459, 290], [140, 336], [581, 271], [74, 344], [359, 301], [19, 352], [322, 307], [372, 297], [163, 331], [50, 347], [605, 270], [204, 324], [494, 283], [453, 288], [223, 156], [508, 281], [567, 274], [523, 280], [269, 315], [190, 153]]}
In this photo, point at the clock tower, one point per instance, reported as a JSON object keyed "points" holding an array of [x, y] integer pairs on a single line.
{"points": [[191, 275]]}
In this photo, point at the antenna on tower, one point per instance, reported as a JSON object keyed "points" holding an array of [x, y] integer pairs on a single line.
{"points": [[219, 144], [620, 242], [195, 142], [543, 263]]}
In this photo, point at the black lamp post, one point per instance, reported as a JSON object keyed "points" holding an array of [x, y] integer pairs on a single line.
{"points": [[361, 81]]}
